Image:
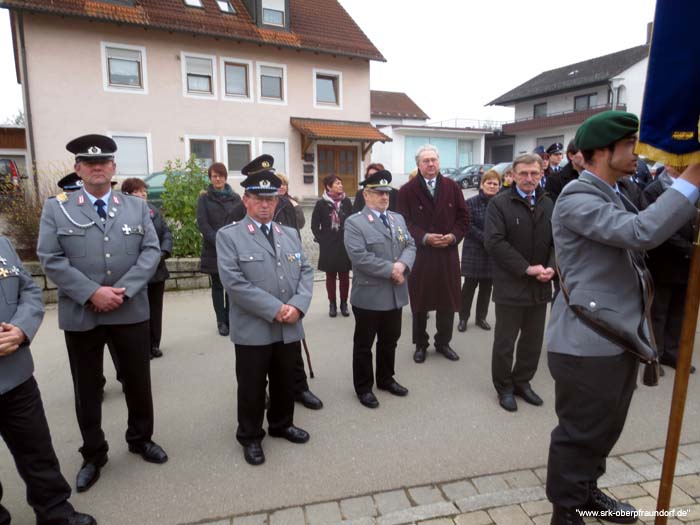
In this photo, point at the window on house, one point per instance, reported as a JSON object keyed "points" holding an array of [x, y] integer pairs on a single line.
{"points": [[540, 110], [239, 154], [193, 3], [132, 156], [236, 76], [204, 151], [583, 102], [124, 67], [200, 72], [273, 12], [327, 89], [225, 6], [278, 152], [271, 82]]}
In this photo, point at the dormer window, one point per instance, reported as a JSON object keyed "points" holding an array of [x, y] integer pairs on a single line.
{"points": [[273, 12], [226, 7], [194, 3]]}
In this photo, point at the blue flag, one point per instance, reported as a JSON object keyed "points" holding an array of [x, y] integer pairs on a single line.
{"points": [[668, 130]]}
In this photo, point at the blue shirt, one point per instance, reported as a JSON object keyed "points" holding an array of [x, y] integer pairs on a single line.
{"points": [[105, 198]]}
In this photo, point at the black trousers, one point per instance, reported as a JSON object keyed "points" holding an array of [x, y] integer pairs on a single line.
{"points": [[85, 353], [526, 325], [386, 327], [482, 299], [219, 298], [593, 396], [155, 308], [444, 321], [667, 317], [24, 428], [300, 382], [254, 365]]}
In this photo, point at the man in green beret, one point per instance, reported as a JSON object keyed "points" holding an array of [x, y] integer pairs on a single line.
{"points": [[599, 239]]}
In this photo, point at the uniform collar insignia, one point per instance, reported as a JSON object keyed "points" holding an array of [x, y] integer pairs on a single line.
{"points": [[251, 228], [81, 200], [277, 228], [115, 198], [370, 216]]}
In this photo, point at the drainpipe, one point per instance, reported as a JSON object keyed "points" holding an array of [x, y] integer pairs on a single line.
{"points": [[27, 105]]}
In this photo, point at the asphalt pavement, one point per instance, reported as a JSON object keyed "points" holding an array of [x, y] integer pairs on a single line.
{"points": [[449, 427]]}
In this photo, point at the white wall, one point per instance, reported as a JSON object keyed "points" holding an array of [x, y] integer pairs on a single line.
{"points": [[526, 142], [560, 103], [634, 80]]}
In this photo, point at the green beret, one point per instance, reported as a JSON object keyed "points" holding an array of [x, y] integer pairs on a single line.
{"points": [[603, 129]]}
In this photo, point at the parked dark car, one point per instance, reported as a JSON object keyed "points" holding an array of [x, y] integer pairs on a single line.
{"points": [[470, 176], [156, 187], [449, 172], [10, 177]]}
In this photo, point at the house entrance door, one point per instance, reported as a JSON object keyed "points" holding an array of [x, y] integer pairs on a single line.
{"points": [[340, 161]]}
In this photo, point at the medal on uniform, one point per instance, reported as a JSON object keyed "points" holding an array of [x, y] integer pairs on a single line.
{"points": [[4, 273], [139, 229], [14, 270], [111, 214], [3, 261], [290, 257], [126, 229], [401, 236]]}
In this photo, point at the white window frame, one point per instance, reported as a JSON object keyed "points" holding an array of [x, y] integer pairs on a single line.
{"points": [[214, 138], [140, 135], [190, 3], [222, 71], [284, 12], [253, 152], [329, 73], [214, 73], [258, 72], [230, 5], [286, 151], [143, 90]]}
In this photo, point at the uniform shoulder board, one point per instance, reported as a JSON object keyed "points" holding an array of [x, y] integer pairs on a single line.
{"points": [[62, 197], [227, 226]]}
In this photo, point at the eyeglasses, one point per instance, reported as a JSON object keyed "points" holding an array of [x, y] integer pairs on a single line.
{"points": [[429, 161]]}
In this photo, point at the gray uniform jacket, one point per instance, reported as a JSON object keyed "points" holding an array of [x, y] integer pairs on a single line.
{"points": [[373, 250], [259, 280], [79, 253], [592, 233], [20, 305]]}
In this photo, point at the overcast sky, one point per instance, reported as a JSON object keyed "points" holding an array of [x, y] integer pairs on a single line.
{"points": [[453, 56]]}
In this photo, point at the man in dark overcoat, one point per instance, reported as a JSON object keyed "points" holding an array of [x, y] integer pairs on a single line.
{"points": [[436, 216], [518, 237]]}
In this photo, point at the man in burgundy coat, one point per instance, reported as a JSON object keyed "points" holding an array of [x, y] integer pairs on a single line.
{"points": [[435, 213]]}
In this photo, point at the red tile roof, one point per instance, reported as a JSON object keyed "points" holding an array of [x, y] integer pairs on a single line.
{"points": [[319, 129], [315, 25], [391, 104]]}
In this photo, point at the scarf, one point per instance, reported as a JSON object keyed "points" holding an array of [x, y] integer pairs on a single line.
{"points": [[226, 192], [334, 201]]}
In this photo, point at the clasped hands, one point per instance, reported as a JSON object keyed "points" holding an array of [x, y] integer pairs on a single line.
{"points": [[287, 314], [540, 273], [437, 240], [397, 271], [106, 299], [11, 337]]}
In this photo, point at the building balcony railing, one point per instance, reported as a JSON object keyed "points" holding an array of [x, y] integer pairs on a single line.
{"points": [[555, 120]]}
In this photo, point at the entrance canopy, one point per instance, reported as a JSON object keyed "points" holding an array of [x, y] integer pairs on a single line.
{"points": [[320, 129]]}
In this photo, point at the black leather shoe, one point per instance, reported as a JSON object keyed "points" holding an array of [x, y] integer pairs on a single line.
{"points": [[462, 326], [5, 517], [156, 352], [507, 402], [670, 361], [344, 308], [332, 309], [615, 511], [78, 518], [149, 451], [291, 433], [395, 388], [309, 400], [368, 399], [448, 352], [529, 396], [420, 353], [223, 329], [481, 323], [88, 474], [254, 454], [564, 516]]}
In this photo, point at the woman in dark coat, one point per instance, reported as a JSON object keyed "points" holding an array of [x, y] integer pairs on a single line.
{"points": [[216, 207], [156, 286], [288, 212], [476, 263], [327, 222]]}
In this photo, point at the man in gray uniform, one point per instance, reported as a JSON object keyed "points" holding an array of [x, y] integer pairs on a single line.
{"points": [[269, 281], [599, 238], [23, 423], [382, 253], [100, 248]]}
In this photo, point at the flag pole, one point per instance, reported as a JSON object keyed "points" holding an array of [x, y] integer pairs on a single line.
{"points": [[680, 383]]}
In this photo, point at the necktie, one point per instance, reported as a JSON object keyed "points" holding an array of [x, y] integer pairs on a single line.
{"points": [[101, 209], [431, 187], [385, 221], [267, 232]]}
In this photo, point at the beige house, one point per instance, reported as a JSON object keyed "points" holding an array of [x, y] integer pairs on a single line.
{"points": [[225, 80]]}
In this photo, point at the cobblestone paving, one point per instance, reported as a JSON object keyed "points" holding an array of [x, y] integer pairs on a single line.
{"points": [[509, 498]]}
